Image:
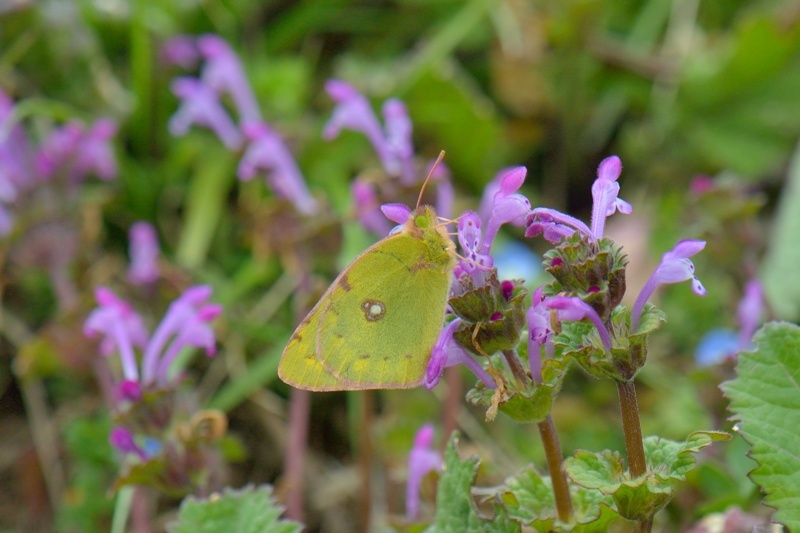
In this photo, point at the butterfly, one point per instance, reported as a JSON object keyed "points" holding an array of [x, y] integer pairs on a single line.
{"points": [[376, 324]]}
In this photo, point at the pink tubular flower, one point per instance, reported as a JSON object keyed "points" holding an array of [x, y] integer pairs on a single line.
{"points": [[575, 309], [121, 327], [675, 267], [144, 252], [223, 72], [200, 105], [470, 238], [446, 353], [186, 323], [353, 112], [398, 130], [507, 205], [57, 148], [266, 151], [554, 225], [540, 332], [422, 460], [605, 192]]}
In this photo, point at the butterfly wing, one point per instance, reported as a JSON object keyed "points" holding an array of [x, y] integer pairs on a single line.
{"points": [[376, 324]]}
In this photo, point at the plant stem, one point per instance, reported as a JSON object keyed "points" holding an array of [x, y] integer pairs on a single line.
{"points": [[452, 401], [366, 459], [516, 368], [299, 412], [552, 450], [632, 428]]}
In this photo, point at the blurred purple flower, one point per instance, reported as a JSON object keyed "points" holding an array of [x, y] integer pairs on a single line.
{"points": [[57, 148], [720, 344], [267, 151], [422, 460], [353, 112], [367, 207], [186, 323], [144, 252], [121, 327], [223, 72], [180, 50], [122, 439], [94, 153], [200, 105], [675, 267]]}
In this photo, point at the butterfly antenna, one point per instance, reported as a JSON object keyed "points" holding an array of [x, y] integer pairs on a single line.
{"points": [[430, 173]]}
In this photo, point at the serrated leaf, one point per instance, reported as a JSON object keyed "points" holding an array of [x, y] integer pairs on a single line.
{"points": [[454, 507], [247, 510], [639, 498], [529, 499], [765, 399]]}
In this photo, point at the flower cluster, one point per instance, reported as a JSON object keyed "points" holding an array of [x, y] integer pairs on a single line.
{"points": [[68, 154], [153, 424], [393, 145], [588, 284], [201, 104]]}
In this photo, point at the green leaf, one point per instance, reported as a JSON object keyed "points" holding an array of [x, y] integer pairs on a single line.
{"points": [[247, 510], [636, 499], [454, 508], [784, 249], [765, 399], [529, 499], [529, 405]]}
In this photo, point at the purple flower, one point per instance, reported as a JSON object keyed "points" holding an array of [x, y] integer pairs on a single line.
{"points": [[94, 153], [267, 151], [720, 344], [122, 439], [144, 252], [555, 226], [353, 112], [540, 332], [507, 205], [470, 237], [201, 106], [397, 213], [675, 267], [186, 323], [422, 460], [121, 327], [57, 148], [398, 129], [180, 50], [575, 309], [223, 72], [605, 191], [446, 353], [367, 207]]}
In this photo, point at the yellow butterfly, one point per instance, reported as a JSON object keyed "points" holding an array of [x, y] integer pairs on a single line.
{"points": [[376, 324]]}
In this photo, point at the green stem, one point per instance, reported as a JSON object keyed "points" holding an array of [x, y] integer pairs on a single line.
{"points": [[122, 509], [552, 450], [632, 428]]}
